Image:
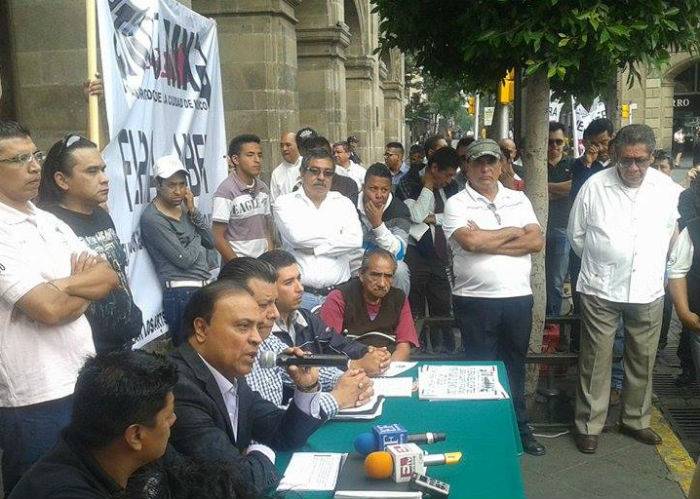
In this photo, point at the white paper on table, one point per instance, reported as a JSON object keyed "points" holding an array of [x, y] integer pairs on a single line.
{"points": [[397, 367], [311, 471], [393, 387], [459, 382]]}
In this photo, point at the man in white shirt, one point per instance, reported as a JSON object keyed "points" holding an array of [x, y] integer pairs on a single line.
{"points": [[48, 277], [621, 225], [286, 176], [348, 168], [492, 231], [319, 227]]}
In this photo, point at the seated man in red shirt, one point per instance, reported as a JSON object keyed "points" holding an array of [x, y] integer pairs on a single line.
{"points": [[369, 309]]}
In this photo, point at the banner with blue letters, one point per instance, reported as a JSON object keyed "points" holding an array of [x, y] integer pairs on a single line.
{"points": [[162, 82]]}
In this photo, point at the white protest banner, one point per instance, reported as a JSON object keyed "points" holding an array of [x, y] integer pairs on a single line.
{"points": [[162, 81], [583, 118], [555, 106]]}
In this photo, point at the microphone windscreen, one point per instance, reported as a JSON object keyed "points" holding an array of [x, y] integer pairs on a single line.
{"points": [[379, 465], [365, 443], [268, 359]]}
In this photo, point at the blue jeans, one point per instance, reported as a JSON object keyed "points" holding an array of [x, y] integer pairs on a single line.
{"points": [[498, 329], [310, 301], [29, 432], [556, 267], [174, 303], [618, 368]]}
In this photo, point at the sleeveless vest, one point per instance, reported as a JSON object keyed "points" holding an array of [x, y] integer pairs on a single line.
{"points": [[357, 322]]}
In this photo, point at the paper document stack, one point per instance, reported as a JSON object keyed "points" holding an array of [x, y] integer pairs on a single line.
{"points": [[311, 471], [453, 382], [372, 409]]}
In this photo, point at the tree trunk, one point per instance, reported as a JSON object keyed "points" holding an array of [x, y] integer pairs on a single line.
{"points": [[536, 111]]}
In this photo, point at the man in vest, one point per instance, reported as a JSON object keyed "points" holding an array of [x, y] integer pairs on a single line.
{"points": [[369, 308]]}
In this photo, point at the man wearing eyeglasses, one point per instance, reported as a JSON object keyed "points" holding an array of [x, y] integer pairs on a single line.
{"points": [[48, 278], [393, 158], [559, 185], [621, 225], [319, 227], [492, 231]]}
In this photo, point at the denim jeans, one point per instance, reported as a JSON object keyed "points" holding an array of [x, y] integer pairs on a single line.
{"points": [[618, 368], [556, 267], [29, 432], [310, 301], [498, 329], [174, 302]]}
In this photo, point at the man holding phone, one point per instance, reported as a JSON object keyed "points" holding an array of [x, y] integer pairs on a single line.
{"points": [[176, 236]]}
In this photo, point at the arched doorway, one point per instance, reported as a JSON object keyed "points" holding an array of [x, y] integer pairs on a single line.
{"points": [[686, 115]]}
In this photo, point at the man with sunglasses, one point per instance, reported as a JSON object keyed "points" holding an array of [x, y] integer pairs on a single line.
{"points": [[177, 236], [559, 186], [319, 227], [492, 231], [621, 225], [48, 278]]}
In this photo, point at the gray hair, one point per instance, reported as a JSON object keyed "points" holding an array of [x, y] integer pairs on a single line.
{"points": [[631, 135], [315, 154], [377, 252]]}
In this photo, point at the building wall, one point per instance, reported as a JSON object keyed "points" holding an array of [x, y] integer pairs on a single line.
{"points": [[285, 64]]}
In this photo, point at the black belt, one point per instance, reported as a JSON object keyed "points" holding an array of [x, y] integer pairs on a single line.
{"points": [[319, 291]]}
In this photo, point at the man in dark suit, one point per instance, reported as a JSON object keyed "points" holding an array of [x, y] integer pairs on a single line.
{"points": [[219, 418]]}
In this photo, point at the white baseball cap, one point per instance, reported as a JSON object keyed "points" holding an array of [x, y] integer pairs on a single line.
{"points": [[167, 166]]}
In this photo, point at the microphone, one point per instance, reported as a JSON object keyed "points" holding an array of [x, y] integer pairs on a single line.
{"points": [[270, 359], [383, 435], [400, 461]]}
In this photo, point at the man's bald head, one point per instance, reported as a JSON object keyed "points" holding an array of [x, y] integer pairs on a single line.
{"points": [[508, 149], [288, 147]]}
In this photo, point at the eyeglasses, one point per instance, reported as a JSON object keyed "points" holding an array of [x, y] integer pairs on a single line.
{"points": [[375, 276], [389, 154], [492, 207], [629, 162], [318, 172], [556, 142], [26, 158]]}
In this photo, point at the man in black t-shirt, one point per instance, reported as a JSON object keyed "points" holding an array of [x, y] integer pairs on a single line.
{"points": [[559, 186], [73, 186]]}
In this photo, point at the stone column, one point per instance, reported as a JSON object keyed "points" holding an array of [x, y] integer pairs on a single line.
{"points": [[664, 135], [321, 79], [361, 110], [393, 112], [257, 46]]}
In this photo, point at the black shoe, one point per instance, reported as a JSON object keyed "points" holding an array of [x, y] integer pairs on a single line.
{"points": [[684, 379], [532, 446]]}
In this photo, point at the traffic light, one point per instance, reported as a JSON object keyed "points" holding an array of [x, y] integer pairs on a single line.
{"points": [[506, 89], [470, 105], [625, 111]]}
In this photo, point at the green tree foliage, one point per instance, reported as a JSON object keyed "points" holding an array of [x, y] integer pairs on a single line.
{"points": [[579, 43]]}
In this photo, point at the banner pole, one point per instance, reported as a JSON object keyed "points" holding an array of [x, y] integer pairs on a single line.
{"points": [[93, 130]]}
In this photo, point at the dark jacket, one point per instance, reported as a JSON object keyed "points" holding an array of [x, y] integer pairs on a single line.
{"points": [[316, 337], [203, 429], [68, 471]]}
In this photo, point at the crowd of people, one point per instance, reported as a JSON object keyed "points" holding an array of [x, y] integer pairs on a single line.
{"points": [[331, 257]]}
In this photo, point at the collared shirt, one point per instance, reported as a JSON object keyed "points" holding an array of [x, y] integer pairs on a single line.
{"points": [[295, 318], [484, 275], [38, 362], [284, 178], [396, 177], [246, 211], [270, 382], [332, 231], [354, 171], [622, 235], [681, 258]]}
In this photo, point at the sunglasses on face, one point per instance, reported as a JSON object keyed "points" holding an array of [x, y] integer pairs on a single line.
{"points": [[318, 172]]}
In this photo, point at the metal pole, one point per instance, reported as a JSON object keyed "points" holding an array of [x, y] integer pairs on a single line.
{"points": [[476, 117]]}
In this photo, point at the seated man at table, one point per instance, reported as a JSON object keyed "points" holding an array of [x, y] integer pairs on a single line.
{"points": [[340, 390], [219, 418], [297, 326], [371, 310], [122, 414]]}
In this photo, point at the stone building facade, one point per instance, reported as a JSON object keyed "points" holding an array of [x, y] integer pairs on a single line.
{"points": [[667, 99], [285, 64]]}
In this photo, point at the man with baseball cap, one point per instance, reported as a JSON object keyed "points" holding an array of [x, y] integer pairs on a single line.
{"points": [[176, 236], [492, 231]]}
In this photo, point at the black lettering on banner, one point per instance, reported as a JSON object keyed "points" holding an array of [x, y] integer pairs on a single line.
{"points": [[2, 268], [135, 148], [190, 148]]}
